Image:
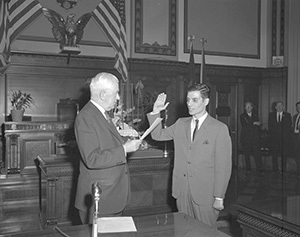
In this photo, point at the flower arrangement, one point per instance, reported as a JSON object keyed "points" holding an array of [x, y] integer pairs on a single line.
{"points": [[120, 120], [20, 100], [125, 126]]}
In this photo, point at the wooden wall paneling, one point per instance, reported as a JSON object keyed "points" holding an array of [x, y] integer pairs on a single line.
{"points": [[19, 200], [265, 103], [157, 75], [229, 82], [2, 98], [273, 88], [162, 76], [240, 110], [49, 78]]}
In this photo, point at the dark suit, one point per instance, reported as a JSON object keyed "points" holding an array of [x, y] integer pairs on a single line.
{"points": [[250, 139], [103, 160], [280, 135], [296, 142], [202, 168]]}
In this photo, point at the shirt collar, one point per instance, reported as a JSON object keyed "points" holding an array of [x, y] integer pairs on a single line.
{"points": [[99, 107], [201, 119]]}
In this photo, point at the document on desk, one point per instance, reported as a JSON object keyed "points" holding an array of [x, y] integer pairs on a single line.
{"points": [[150, 129], [116, 224]]}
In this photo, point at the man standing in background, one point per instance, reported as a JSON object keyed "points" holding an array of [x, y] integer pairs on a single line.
{"points": [[250, 136], [280, 127], [296, 138]]}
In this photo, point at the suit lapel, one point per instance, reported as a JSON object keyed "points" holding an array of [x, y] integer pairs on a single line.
{"points": [[188, 129], [104, 121], [202, 129]]}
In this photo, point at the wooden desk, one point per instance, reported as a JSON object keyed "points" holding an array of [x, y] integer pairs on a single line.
{"points": [[272, 217], [166, 225], [25, 140], [150, 188]]}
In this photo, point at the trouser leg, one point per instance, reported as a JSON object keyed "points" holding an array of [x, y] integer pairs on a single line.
{"points": [[275, 162], [204, 213], [247, 161], [284, 163], [86, 217], [257, 157]]}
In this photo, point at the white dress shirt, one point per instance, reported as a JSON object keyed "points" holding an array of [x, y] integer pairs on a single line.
{"points": [[193, 123]]}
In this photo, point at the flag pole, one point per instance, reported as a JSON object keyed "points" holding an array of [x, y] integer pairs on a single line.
{"points": [[191, 72], [202, 72]]}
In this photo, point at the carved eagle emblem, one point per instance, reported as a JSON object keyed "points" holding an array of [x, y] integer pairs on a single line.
{"points": [[67, 32]]}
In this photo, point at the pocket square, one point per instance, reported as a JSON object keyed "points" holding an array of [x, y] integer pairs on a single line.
{"points": [[205, 142]]}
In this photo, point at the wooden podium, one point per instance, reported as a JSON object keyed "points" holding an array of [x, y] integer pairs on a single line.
{"points": [[57, 190], [150, 187]]}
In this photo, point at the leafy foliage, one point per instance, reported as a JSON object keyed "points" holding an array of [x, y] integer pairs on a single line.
{"points": [[20, 100]]}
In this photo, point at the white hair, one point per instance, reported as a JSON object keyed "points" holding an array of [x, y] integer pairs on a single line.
{"points": [[102, 81]]}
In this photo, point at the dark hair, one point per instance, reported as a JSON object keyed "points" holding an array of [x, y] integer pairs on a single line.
{"points": [[279, 102], [202, 88], [297, 103]]}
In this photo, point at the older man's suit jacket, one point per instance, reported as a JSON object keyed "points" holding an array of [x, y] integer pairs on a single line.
{"points": [[205, 163], [103, 160]]}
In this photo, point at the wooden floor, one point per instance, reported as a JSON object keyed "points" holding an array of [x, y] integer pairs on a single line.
{"points": [[243, 187]]}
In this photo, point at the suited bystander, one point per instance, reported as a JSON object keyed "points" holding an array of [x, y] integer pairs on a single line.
{"points": [[296, 138], [250, 136], [280, 127], [103, 152], [202, 165]]}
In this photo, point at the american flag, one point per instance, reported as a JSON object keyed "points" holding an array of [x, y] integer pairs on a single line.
{"points": [[15, 16], [108, 17]]}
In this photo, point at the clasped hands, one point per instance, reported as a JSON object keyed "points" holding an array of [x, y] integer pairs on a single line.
{"points": [[132, 145]]}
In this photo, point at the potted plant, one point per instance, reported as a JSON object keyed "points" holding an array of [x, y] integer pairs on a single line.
{"points": [[19, 101]]}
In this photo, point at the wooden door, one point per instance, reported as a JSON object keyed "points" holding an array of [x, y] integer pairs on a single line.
{"points": [[223, 106]]}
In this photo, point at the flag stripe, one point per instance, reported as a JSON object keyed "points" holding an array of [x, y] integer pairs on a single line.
{"points": [[108, 18], [111, 29], [16, 15], [22, 14], [4, 41], [110, 12]]}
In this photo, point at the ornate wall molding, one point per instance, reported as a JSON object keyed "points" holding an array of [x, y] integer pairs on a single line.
{"points": [[155, 48]]}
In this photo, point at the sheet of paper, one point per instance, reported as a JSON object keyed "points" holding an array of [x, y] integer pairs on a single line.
{"points": [[116, 224], [153, 125]]}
